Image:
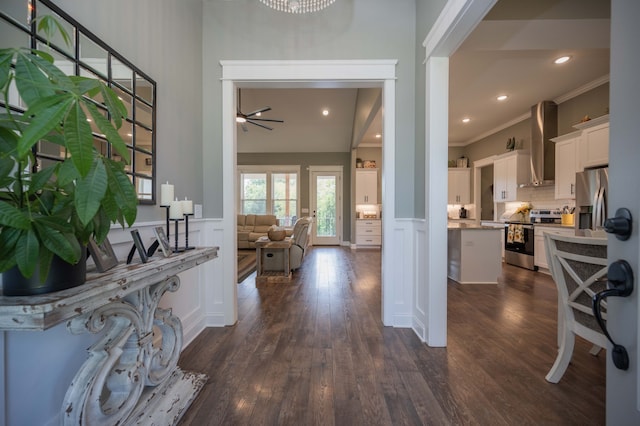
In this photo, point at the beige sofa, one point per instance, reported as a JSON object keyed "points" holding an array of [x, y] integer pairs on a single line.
{"points": [[253, 226]]}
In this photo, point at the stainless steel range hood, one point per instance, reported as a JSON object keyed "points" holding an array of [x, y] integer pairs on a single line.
{"points": [[544, 126]]}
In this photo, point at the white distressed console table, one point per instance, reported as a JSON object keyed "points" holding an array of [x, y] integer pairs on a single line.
{"points": [[131, 375]]}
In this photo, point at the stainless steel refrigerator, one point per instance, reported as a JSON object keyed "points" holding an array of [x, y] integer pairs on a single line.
{"points": [[592, 194]]}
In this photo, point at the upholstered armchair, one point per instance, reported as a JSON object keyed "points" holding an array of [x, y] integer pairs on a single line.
{"points": [[273, 260]]}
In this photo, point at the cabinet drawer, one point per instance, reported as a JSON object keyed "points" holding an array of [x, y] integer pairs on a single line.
{"points": [[365, 240], [368, 230]]}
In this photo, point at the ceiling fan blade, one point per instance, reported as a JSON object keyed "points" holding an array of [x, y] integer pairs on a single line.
{"points": [[267, 119], [258, 111], [258, 124]]}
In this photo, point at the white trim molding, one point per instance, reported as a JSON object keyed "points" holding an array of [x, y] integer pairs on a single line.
{"points": [[307, 73]]}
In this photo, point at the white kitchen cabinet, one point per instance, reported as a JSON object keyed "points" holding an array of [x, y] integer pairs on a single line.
{"points": [[459, 186], [595, 144], [567, 164], [539, 251], [509, 172], [367, 186], [369, 232]]}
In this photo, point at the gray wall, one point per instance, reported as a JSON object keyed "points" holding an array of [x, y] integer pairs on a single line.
{"points": [[427, 12], [349, 29], [304, 161]]}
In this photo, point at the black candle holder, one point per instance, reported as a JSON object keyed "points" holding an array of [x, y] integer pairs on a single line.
{"points": [[177, 249], [167, 216], [186, 232]]}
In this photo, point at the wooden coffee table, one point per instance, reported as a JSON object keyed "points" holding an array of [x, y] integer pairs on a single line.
{"points": [[273, 276]]}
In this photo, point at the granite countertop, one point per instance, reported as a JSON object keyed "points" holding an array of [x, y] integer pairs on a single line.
{"points": [[555, 225], [470, 226]]}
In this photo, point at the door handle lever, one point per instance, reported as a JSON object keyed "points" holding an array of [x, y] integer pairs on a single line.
{"points": [[620, 283]]}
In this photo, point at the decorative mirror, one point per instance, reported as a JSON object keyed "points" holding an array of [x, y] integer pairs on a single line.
{"points": [[89, 56]]}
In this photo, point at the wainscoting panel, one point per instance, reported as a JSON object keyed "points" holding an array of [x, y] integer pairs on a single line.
{"points": [[401, 286], [420, 306]]}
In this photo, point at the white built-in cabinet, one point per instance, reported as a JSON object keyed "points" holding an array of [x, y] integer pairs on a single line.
{"points": [[539, 249], [510, 170], [368, 232], [366, 186], [587, 147], [567, 164], [595, 142], [459, 186]]}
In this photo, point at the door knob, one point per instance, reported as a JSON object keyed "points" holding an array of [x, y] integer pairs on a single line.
{"points": [[620, 225], [619, 283]]}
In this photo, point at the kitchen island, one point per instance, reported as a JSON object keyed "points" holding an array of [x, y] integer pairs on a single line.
{"points": [[474, 253]]}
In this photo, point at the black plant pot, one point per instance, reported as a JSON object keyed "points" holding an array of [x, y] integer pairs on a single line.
{"points": [[62, 275]]}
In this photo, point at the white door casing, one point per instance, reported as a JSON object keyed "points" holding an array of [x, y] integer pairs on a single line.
{"points": [[305, 73]]}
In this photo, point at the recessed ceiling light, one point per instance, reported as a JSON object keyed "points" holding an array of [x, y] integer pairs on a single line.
{"points": [[378, 135], [502, 97], [258, 114], [466, 120], [325, 112], [562, 60]]}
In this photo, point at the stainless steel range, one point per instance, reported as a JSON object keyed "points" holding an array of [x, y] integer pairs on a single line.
{"points": [[519, 237], [518, 245]]}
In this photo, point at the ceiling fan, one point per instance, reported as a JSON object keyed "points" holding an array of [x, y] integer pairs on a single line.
{"points": [[253, 117]]}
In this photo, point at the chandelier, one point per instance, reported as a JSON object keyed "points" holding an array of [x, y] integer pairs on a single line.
{"points": [[298, 6]]}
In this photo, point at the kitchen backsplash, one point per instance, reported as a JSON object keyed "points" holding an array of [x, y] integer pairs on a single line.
{"points": [[542, 197]]}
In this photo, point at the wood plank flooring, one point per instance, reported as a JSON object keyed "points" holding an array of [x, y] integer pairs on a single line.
{"points": [[314, 352]]}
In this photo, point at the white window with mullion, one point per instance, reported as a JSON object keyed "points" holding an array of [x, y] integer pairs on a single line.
{"points": [[270, 190]]}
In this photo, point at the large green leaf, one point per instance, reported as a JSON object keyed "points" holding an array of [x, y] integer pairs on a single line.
{"points": [[57, 223], [57, 77], [27, 249], [64, 245], [6, 57], [101, 226], [8, 239], [46, 120], [123, 191], [31, 82], [67, 173], [48, 24], [79, 139], [41, 178], [114, 105], [89, 192], [8, 141], [109, 131], [12, 217], [7, 166], [85, 85]]}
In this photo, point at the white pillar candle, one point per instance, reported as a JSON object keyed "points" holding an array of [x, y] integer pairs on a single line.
{"points": [[175, 210], [166, 194], [187, 206]]}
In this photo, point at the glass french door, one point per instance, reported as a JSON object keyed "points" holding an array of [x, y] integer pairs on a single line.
{"points": [[326, 205]]}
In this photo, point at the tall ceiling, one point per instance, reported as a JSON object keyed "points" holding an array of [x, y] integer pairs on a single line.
{"points": [[510, 52]]}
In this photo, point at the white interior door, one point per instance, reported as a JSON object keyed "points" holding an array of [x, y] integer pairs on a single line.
{"points": [[623, 394], [326, 204]]}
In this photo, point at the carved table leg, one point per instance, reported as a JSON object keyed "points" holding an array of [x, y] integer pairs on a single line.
{"points": [[132, 374]]}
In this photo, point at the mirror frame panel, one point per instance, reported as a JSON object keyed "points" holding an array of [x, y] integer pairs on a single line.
{"points": [[78, 32]]}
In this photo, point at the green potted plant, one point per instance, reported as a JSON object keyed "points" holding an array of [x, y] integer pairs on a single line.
{"points": [[50, 213]]}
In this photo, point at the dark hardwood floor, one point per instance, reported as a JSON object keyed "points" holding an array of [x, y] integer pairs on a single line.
{"points": [[314, 352]]}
